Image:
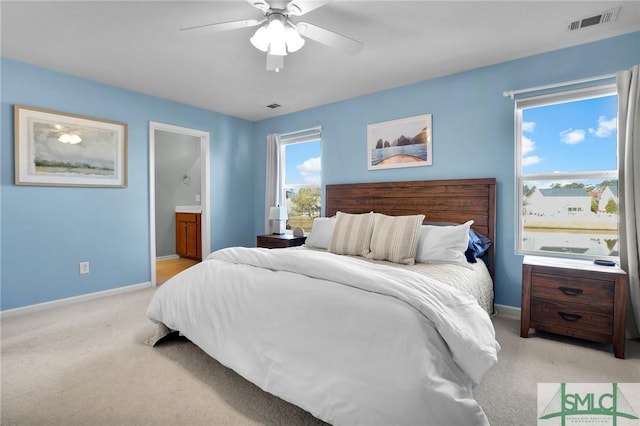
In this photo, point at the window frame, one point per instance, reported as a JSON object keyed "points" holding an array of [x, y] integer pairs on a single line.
{"points": [[601, 90]]}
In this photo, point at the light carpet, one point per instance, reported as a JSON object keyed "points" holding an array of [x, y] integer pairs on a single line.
{"points": [[87, 364]]}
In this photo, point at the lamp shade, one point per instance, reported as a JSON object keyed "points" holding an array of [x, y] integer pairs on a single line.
{"points": [[293, 39], [278, 47], [278, 213], [260, 39]]}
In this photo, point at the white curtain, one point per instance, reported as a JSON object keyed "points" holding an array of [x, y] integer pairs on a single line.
{"points": [[272, 182], [629, 189]]}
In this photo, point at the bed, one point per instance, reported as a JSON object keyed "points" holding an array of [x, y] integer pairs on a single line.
{"points": [[352, 340]]}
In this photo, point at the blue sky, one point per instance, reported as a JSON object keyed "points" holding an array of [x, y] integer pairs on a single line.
{"points": [[570, 137], [303, 163]]}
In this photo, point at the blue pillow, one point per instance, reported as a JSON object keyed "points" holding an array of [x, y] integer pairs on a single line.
{"points": [[478, 243]]}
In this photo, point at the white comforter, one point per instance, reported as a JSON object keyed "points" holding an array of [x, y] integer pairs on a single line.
{"points": [[349, 341]]}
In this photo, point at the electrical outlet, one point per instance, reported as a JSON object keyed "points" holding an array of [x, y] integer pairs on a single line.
{"points": [[197, 198], [84, 267]]}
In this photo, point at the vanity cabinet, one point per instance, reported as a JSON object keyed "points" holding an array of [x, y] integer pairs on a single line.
{"points": [[188, 235]]}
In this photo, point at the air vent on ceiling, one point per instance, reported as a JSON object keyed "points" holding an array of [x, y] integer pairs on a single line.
{"points": [[274, 106], [602, 18]]}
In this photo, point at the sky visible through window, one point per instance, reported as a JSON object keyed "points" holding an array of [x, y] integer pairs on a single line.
{"points": [[569, 203], [303, 163], [570, 137]]}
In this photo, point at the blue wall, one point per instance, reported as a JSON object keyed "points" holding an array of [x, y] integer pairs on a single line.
{"points": [[47, 231], [473, 131]]}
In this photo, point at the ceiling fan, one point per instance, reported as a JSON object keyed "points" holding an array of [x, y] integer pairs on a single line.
{"points": [[278, 34]]}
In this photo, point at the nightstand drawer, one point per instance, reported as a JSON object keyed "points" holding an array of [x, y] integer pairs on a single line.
{"points": [[571, 290], [572, 315]]}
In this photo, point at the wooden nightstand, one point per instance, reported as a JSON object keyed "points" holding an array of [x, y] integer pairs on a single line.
{"points": [[574, 298], [279, 241]]}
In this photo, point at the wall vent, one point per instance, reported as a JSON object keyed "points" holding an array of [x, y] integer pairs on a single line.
{"points": [[274, 106], [602, 18]]}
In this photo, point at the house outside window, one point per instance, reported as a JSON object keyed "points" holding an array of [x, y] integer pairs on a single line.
{"points": [[300, 175], [567, 174]]}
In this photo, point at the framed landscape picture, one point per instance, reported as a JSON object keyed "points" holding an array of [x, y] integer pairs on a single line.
{"points": [[58, 149], [400, 143]]}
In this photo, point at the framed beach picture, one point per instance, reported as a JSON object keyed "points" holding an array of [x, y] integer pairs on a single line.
{"points": [[58, 149], [400, 143]]}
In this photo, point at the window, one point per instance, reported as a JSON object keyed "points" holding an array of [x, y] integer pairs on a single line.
{"points": [[300, 173], [567, 173]]}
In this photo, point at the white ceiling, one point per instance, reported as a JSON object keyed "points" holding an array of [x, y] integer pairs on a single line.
{"points": [[136, 45]]}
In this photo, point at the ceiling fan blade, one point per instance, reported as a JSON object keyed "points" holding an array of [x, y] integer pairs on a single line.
{"points": [[225, 26], [259, 4], [300, 7], [275, 63], [329, 38]]}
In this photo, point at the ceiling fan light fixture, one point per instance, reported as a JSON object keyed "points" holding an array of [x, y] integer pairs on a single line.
{"points": [[278, 47], [261, 39], [293, 39], [276, 25], [70, 138], [277, 37]]}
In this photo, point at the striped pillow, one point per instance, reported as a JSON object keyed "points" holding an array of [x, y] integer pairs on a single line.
{"points": [[395, 238], [352, 234]]}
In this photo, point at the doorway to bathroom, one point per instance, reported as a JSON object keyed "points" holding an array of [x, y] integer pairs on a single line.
{"points": [[179, 181]]}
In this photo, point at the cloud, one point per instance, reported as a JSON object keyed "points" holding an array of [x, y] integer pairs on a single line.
{"points": [[528, 145], [310, 170], [571, 136], [605, 127], [528, 126], [530, 160]]}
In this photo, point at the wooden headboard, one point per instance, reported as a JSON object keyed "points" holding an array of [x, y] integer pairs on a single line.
{"points": [[455, 200]]}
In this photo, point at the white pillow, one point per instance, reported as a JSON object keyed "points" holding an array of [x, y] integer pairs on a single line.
{"points": [[321, 232], [444, 244], [395, 238], [352, 234]]}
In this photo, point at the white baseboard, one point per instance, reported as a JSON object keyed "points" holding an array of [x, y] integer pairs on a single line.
{"points": [[170, 256], [9, 313], [507, 311]]}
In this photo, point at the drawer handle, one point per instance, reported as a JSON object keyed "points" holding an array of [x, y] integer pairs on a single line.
{"points": [[570, 291], [569, 317]]}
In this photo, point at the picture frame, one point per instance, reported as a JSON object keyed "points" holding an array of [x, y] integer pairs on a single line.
{"points": [[405, 142], [53, 148]]}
